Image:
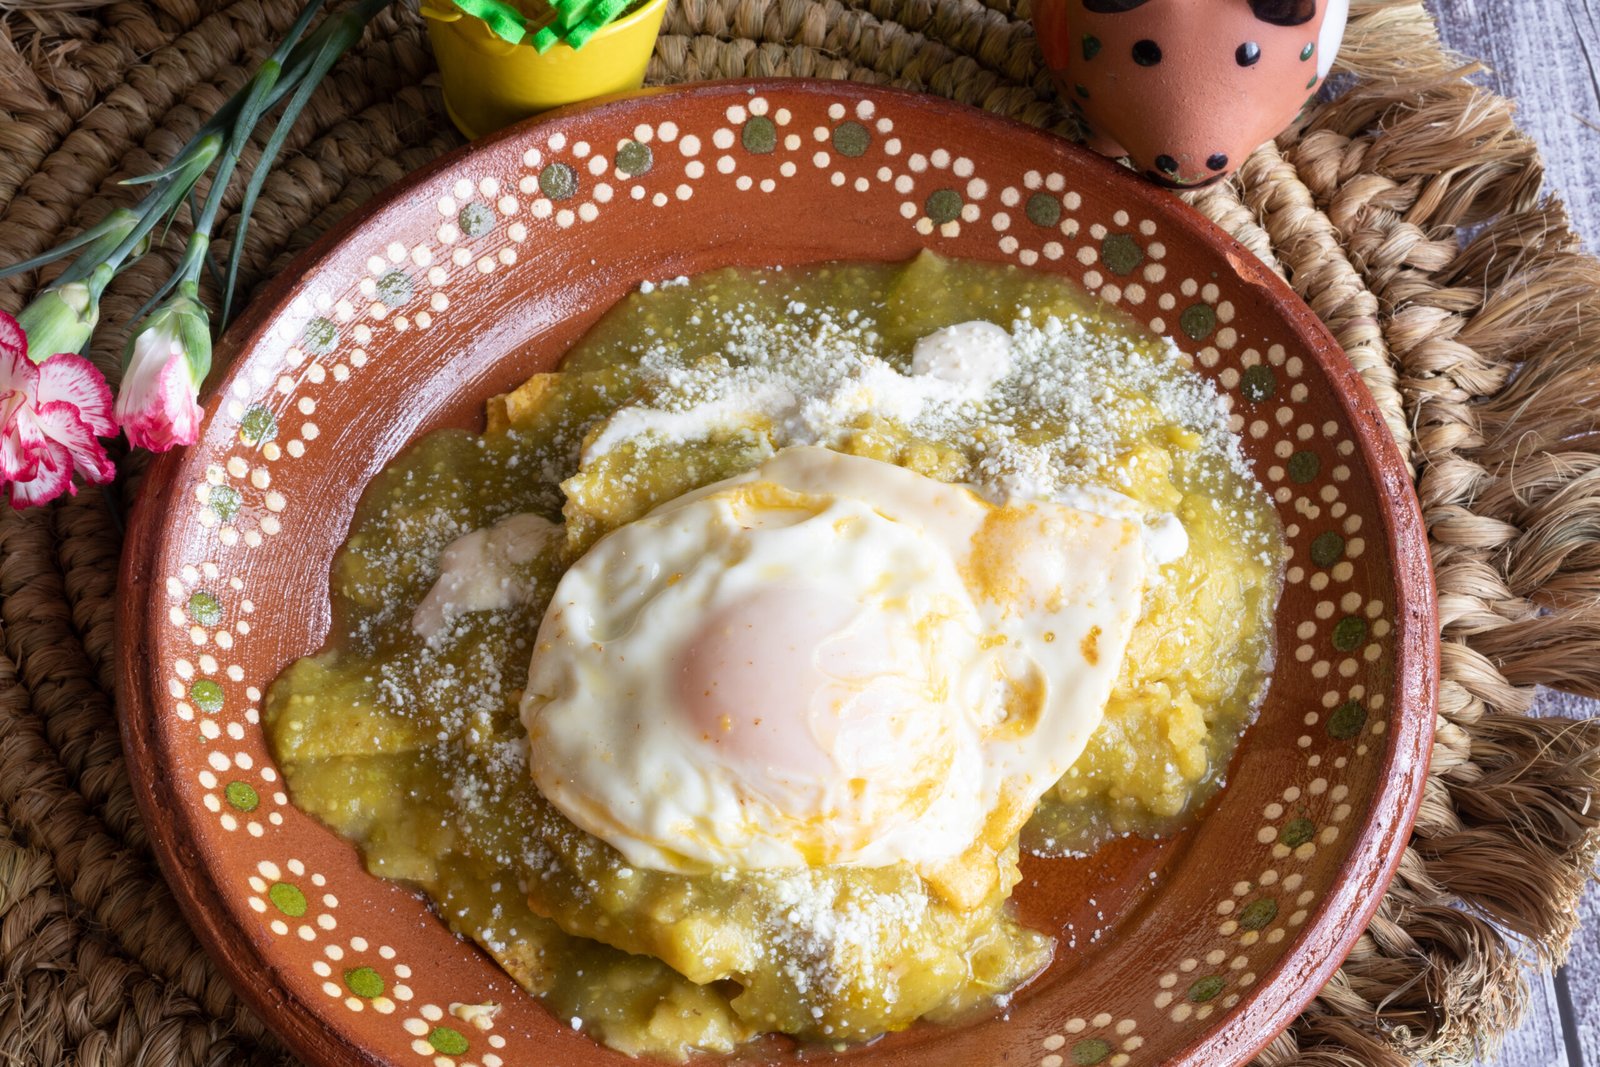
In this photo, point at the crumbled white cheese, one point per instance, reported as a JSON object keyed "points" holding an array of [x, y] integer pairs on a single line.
{"points": [[650, 287], [812, 377]]}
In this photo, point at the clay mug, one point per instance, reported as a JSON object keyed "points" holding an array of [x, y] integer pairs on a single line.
{"points": [[1187, 88]]}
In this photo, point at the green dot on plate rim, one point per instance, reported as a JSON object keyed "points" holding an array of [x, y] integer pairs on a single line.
{"points": [[1043, 209], [476, 219], [1327, 548], [320, 336], [204, 608], [1198, 320], [851, 139], [258, 426], [225, 500], [395, 288], [1258, 383], [1349, 632], [557, 181], [242, 796], [943, 205], [447, 1041], [1090, 1051], [1258, 913], [364, 982], [635, 158], [760, 135], [287, 898], [207, 695], [1297, 832], [1347, 720], [1121, 253], [1304, 467]]}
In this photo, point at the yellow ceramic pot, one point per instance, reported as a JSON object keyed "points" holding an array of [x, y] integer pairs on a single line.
{"points": [[490, 83]]}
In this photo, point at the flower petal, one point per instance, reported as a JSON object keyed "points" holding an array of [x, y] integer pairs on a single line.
{"points": [[78, 382], [18, 373], [62, 424], [22, 440], [166, 414], [18, 461], [13, 342], [52, 478]]}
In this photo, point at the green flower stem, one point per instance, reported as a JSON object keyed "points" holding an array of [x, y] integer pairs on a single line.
{"points": [[161, 202], [228, 116], [318, 53], [244, 111], [253, 102]]}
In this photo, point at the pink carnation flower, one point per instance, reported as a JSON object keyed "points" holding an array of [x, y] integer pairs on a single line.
{"points": [[157, 405], [52, 414], [167, 359]]}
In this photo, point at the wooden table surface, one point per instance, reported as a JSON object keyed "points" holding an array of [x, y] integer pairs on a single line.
{"points": [[1545, 54]]}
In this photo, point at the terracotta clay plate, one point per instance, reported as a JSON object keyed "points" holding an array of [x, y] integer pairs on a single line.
{"points": [[483, 270]]}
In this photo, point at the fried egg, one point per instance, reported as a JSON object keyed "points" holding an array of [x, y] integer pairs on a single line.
{"points": [[829, 660]]}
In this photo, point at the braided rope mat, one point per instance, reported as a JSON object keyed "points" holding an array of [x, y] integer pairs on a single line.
{"points": [[1407, 213]]}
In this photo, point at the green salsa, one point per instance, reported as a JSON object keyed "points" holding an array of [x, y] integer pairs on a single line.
{"points": [[413, 748]]}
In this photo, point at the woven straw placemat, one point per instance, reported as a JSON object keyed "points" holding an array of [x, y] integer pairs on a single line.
{"points": [[1407, 213]]}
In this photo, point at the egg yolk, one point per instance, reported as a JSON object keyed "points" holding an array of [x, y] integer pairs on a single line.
{"points": [[748, 687], [821, 700]]}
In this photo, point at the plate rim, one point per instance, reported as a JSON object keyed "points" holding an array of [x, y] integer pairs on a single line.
{"points": [[1237, 1034]]}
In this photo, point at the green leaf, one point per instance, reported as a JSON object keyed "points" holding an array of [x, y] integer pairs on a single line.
{"points": [[604, 12], [339, 30], [169, 171], [571, 12], [114, 227], [292, 38], [503, 20], [256, 98]]}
